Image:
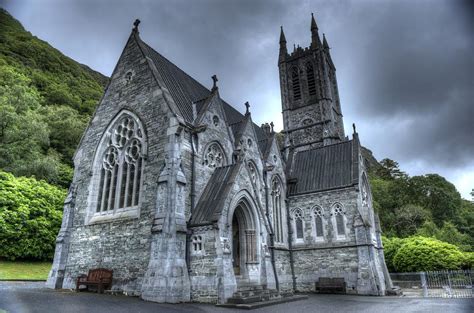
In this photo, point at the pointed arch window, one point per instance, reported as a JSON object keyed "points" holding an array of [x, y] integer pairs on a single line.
{"points": [[121, 166], [339, 221], [311, 80], [298, 225], [278, 214], [317, 216], [295, 79]]}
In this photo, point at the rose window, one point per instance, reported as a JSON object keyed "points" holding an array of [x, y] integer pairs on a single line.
{"points": [[214, 156]]}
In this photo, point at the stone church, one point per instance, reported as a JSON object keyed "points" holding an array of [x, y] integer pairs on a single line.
{"points": [[186, 199]]}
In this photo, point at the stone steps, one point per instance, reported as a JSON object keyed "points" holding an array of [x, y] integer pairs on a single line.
{"points": [[252, 293]]}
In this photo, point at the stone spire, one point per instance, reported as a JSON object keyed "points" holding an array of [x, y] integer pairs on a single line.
{"points": [[315, 41], [283, 50], [325, 43]]}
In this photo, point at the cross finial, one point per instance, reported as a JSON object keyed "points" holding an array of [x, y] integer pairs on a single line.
{"points": [[247, 108], [271, 125], [354, 127], [214, 80], [136, 23]]}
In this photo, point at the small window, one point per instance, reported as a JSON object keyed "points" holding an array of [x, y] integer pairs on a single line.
{"points": [[318, 223], [197, 244], [339, 217], [253, 172], [275, 159], [215, 120], [298, 222], [128, 76], [249, 142]]}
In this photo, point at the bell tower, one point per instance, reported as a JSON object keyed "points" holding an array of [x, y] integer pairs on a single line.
{"points": [[312, 114]]}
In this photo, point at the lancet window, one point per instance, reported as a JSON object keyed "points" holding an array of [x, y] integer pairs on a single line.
{"points": [[298, 225], [339, 220], [318, 223], [295, 79], [310, 79]]}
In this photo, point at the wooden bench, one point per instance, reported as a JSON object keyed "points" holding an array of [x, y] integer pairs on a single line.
{"points": [[100, 277], [331, 285]]}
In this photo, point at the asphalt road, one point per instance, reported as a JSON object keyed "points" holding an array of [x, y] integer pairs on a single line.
{"points": [[32, 297]]}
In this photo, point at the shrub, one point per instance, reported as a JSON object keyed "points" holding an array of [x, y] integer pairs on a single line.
{"points": [[30, 217], [427, 254], [391, 246]]}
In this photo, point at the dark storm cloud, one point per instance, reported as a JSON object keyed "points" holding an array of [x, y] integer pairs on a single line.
{"points": [[405, 68]]}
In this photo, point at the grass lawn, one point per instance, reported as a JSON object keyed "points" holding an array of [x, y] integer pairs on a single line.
{"points": [[24, 270]]}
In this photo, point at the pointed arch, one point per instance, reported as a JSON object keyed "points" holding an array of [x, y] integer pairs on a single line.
{"points": [[317, 218], [118, 166], [310, 79], [295, 80], [279, 216], [297, 218], [339, 221]]}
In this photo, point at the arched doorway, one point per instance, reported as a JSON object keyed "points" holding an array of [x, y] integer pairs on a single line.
{"points": [[244, 243]]}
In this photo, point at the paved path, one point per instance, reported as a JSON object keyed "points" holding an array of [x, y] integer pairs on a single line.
{"points": [[32, 298]]}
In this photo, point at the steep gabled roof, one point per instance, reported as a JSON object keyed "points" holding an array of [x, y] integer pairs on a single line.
{"points": [[211, 203], [323, 168], [185, 90]]}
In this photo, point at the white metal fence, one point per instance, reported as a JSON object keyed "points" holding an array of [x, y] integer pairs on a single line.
{"points": [[436, 284]]}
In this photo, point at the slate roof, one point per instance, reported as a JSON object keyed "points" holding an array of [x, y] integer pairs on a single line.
{"points": [[210, 205], [185, 90], [324, 168]]}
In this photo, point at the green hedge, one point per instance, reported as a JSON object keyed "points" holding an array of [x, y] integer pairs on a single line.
{"points": [[419, 253], [30, 217]]}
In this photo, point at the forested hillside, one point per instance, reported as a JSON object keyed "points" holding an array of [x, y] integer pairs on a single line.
{"points": [[46, 100]]}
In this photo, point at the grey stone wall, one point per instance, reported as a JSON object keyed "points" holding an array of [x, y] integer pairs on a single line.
{"points": [[331, 256], [120, 245]]}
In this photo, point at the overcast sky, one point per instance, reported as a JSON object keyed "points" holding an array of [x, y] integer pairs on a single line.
{"points": [[405, 68]]}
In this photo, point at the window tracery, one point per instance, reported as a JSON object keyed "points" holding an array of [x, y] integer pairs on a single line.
{"points": [[121, 167], [339, 220], [318, 222], [214, 156], [298, 224]]}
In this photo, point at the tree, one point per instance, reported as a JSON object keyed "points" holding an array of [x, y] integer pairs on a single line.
{"points": [[409, 218], [23, 133], [389, 170], [66, 126], [436, 194], [30, 217]]}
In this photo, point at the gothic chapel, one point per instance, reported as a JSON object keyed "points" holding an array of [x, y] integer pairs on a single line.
{"points": [[186, 199]]}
